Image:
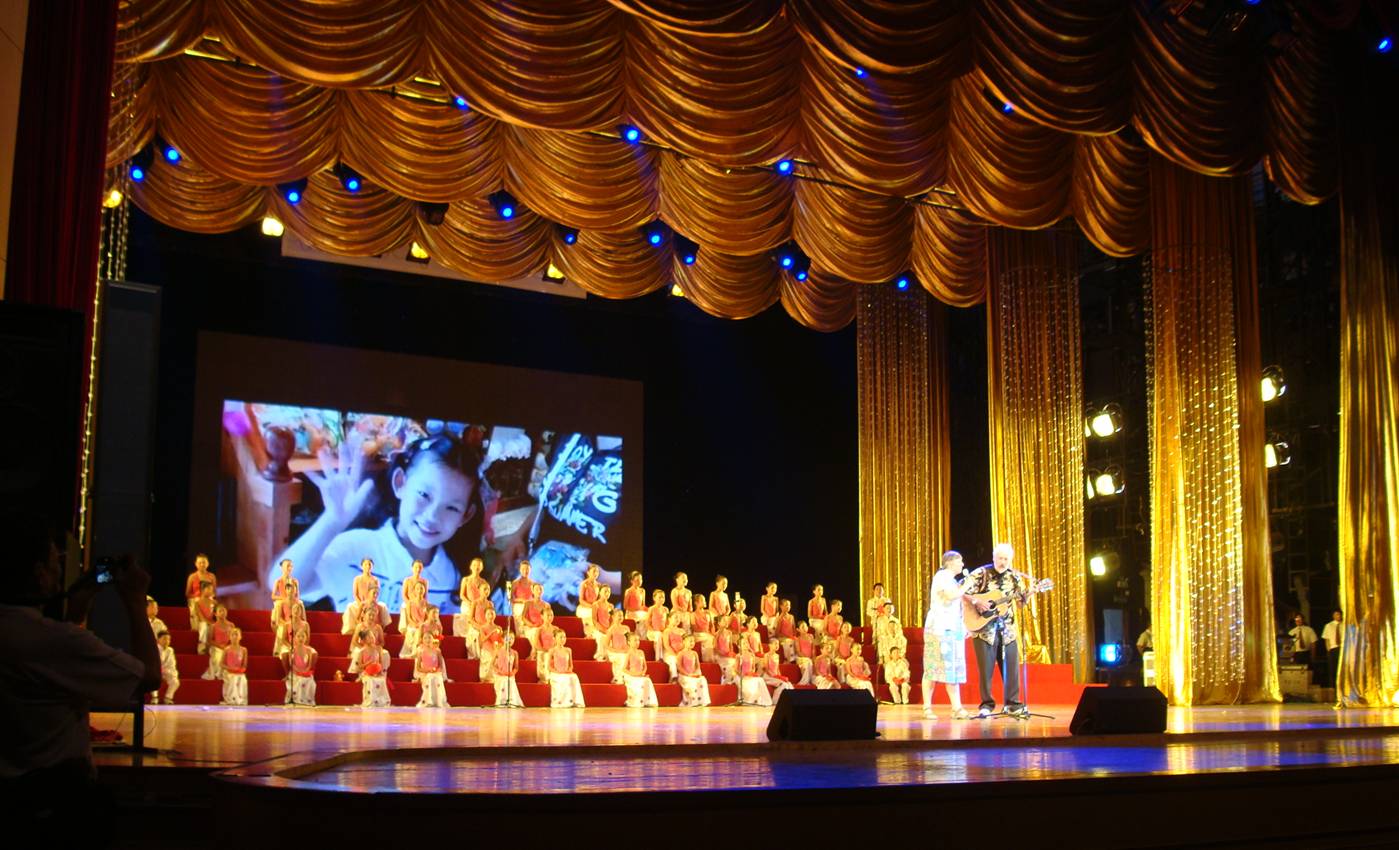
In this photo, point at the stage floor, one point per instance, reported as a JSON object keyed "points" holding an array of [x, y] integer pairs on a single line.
{"points": [[211, 737]]}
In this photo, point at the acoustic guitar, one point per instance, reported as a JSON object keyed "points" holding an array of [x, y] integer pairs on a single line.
{"points": [[1000, 604]]}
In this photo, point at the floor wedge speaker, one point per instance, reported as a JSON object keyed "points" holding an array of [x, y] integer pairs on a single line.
{"points": [[1119, 711], [807, 715]]}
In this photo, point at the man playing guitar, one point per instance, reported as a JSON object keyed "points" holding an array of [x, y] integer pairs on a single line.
{"points": [[990, 617]]}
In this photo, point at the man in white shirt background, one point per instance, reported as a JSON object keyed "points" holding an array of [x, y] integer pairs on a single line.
{"points": [[1331, 636], [1303, 641]]}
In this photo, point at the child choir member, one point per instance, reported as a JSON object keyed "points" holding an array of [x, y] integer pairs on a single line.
{"points": [[288, 615], [603, 615], [834, 621], [750, 640], [888, 636], [857, 672], [153, 616], [203, 615], [772, 670], [412, 617], [786, 631], [719, 598], [587, 598], [634, 600], [280, 587], [368, 625], [301, 675], [752, 690], [878, 606], [169, 670], [474, 590], [739, 615], [618, 644], [681, 599], [897, 675], [415, 583], [565, 691], [806, 652], [768, 608], [823, 674], [546, 637], [491, 641], [702, 629], [843, 649], [521, 591], [372, 665], [694, 688], [368, 604], [218, 643], [641, 692], [235, 671], [726, 653], [532, 615], [502, 669], [481, 614], [429, 669], [657, 618], [194, 585], [672, 642], [816, 610]]}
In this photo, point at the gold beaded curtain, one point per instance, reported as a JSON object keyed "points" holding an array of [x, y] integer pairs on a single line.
{"points": [[1211, 582], [1368, 492], [721, 91], [1035, 400], [905, 466]]}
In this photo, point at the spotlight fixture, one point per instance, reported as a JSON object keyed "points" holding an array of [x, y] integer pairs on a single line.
{"points": [[789, 255], [433, 213], [676, 290], [504, 203], [1103, 421], [1276, 453], [272, 226], [1110, 482], [168, 152], [903, 281], [569, 235], [783, 166], [1386, 44], [140, 165], [417, 253], [1007, 108], [460, 102], [1109, 653], [686, 249], [553, 273], [1091, 492], [859, 72], [1098, 566], [654, 231], [349, 178], [629, 133], [802, 269], [1274, 383], [112, 199], [293, 191]]}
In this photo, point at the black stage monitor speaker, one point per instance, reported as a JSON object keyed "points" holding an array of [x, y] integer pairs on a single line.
{"points": [[1119, 711], [823, 716]]}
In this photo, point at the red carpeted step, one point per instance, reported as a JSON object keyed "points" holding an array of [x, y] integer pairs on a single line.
{"points": [[174, 617]]}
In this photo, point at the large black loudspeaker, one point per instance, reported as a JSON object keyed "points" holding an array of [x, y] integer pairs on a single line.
{"points": [[1119, 711], [823, 716]]}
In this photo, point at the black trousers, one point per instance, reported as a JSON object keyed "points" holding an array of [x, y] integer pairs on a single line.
{"points": [[1008, 654]]}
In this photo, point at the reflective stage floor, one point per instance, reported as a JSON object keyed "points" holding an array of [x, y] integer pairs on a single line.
{"points": [[1220, 776]]}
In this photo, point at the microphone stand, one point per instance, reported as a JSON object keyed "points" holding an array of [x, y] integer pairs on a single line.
{"points": [[510, 630]]}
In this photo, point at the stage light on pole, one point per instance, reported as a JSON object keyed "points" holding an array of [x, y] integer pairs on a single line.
{"points": [[293, 191], [1103, 421], [1276, 453], [1098, 566], [348, 177], [504, 204], [686, 249], [112, 199], [1274, 383], [1109, 482], [629, 133], [569, 235], [272, 226], [783, 166]]}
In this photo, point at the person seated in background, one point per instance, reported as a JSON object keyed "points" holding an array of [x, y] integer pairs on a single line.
{"points": [[830, 632], [473, 590], [285, 581], [641, 691], [805, 652], [672, 642], [719, 598], [372, 665], [657, 616], [603, 615], [897, 675], [878, 606], [772, 670], [786, 631], [587, 597], [169, 670], [618, 643], [205, 609], [752, 690], [702, 630], [634, 599], [218, 644], [726, 654], [565, 691], [368, 604], [816, 611], [681, 600], [194, 585], [411, 618], [153, 617], [769, 606], [429, 669], [823, 673]]}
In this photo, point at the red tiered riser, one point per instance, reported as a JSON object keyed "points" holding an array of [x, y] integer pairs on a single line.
{"points": [[1046, 683]]}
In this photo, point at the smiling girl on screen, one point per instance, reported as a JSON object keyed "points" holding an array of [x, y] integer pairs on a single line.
{"points": [[430, 492]]}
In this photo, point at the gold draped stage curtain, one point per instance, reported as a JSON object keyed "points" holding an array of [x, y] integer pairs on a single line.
{"points": [[721, 91], [1211, 580], [1035, 399], [905, 468], [1368, 492]]}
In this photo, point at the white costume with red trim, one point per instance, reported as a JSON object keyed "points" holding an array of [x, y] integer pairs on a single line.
{"points": [[641, 692], [752, 690], [565, 691], [694, 688], [504, 666], [897, 675], [235, 679], [169, 674], [373, 666], [301, 681], [428, 669]]}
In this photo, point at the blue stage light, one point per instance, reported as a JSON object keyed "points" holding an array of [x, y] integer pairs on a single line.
{"points": [[784, 166], [1007, 108], [629, 133], [1253, 2], [293, 197], [352, 184], [171, 155], [654, 238], [787, 260], [1109, 653], [655, 232], [569, 235], [1386, 44], [901, 283], [801, 274], [349, 178], [137, 173], [459, 101], [686, 249], [859, 72], [293, 191], [504, 204]]}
